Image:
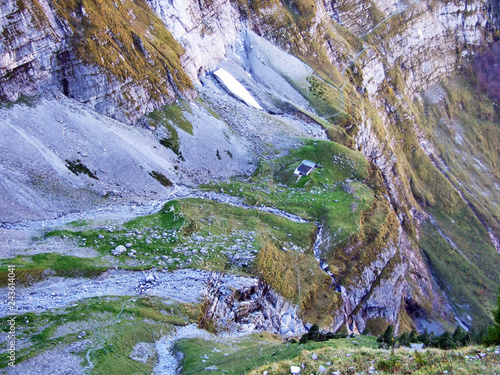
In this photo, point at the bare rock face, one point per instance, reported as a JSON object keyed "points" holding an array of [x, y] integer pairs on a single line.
{"points": [[205, 30], [250, 307], [46, 46], [28, 51]]}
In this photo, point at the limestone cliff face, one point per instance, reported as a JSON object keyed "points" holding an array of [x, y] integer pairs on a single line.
{"points": [[123, 71], [205, 30], [413, 43]]}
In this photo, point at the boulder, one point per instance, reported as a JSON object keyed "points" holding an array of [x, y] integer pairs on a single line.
{"points": [[120, 249]]}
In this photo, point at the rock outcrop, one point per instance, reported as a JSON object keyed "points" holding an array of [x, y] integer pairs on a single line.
{"points": [[247, 307], [119, 67]]}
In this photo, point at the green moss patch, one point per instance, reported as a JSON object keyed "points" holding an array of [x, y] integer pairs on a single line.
{"points": [[161, 178], [31, 269]]}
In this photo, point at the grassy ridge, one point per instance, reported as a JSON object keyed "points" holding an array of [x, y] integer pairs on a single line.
{"points": [[322, 196], [262, 352], [365, 359]]}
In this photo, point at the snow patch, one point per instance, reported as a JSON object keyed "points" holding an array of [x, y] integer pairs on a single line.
{"points": [[235, 88]]}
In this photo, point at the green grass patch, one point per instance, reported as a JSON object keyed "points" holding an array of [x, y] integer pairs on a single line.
{"points": [[115, 323], [242, 355], [326, 195], [31, 269]]}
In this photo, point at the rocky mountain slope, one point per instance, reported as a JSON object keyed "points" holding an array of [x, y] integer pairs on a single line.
{"points": [[111, 108]]}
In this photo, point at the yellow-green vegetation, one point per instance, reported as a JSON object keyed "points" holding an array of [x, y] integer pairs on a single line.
{"points": [[113, 326], [261, 350], [325, 97], [173, 115], [348, 360], [468, 285], [379, 230], [216, 220], [127, 40], [465, 128]]}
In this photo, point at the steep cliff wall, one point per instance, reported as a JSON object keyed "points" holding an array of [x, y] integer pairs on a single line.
{"points": [[115, 57]]}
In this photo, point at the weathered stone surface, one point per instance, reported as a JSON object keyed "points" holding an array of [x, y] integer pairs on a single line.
{"points": [[251, 306]]}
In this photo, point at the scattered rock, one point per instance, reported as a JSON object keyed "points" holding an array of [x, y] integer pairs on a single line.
{"points": [[294, 369], [348, 188], [211, 368], [120, 249], [321, 369], [314, 357]]}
